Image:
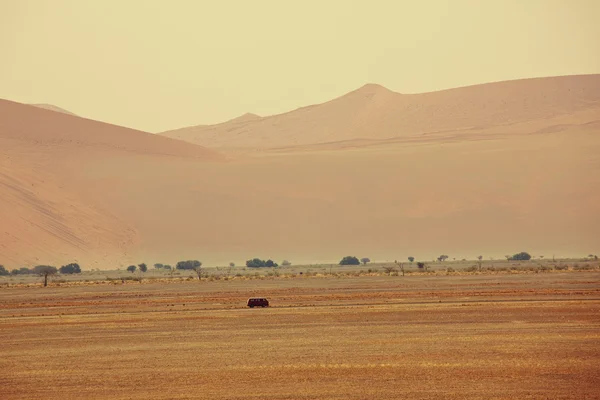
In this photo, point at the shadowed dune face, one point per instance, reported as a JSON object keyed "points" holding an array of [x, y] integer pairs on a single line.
{"points": [[111, 196], [46, 215], [376, 113]]}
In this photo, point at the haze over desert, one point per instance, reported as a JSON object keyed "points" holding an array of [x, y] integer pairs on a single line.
{"points": [[493, 168]]}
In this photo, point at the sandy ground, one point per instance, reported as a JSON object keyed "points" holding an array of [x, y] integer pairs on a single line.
{"points": [[479, 337]]}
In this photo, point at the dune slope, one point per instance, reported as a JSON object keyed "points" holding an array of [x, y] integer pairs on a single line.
{"points": [[47, 216]]}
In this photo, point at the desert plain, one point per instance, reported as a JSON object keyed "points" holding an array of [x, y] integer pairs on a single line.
{"points": [[523, 335]]}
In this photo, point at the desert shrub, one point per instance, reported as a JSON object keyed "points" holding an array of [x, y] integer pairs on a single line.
{"points": [[421, 265], [522, 256], [72, 268], [3, 271], [450, 269], [158, 266], [545, 268], [472, 268], [286, 263], [584, 267], [231, 265], [349, 260]]}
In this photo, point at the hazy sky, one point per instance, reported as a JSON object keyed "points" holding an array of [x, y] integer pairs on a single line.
{"points": [[157, 65]]}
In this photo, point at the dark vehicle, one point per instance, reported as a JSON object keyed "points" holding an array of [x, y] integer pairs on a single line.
{"points": [[258, 302]]}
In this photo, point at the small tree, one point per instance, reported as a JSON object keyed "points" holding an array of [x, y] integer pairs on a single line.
{"points": [[508, 258], [480, 258], [3, 271], [167, 267], [198, 270], [421, 265], [349, 260], [45, 271], [270, 263], [143, 267], [401, 266], [231, 265], [411, 259], [389, 269], [131, 268], [442, 258], [286, 263], [73, 268], [158, 266], [365, 260]]}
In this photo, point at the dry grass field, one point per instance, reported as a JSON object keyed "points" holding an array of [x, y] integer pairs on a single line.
{"points": [[510, 336]]}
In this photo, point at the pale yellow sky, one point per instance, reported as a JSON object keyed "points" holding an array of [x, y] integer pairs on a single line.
{"points": [[157, 65]]}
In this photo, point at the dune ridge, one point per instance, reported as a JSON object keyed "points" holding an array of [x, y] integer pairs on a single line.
{"points": [[373, 112]]}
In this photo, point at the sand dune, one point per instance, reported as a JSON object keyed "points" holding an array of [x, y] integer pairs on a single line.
{"points": [[107, 196], [48, 217], [48, 128], [53, 108], [376, 113]]}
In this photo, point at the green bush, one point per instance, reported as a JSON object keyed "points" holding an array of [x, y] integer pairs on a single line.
{"points": [[189, 264], [350, 260], [72, 268], [522, 256]]}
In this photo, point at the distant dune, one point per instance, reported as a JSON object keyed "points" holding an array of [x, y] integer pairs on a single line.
{"points": [[376, 113], [53, 108], [44, 127], [46, 214], [488, 169]]}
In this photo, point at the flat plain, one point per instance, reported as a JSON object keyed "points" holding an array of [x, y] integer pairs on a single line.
{"points": [[512, 336]]}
